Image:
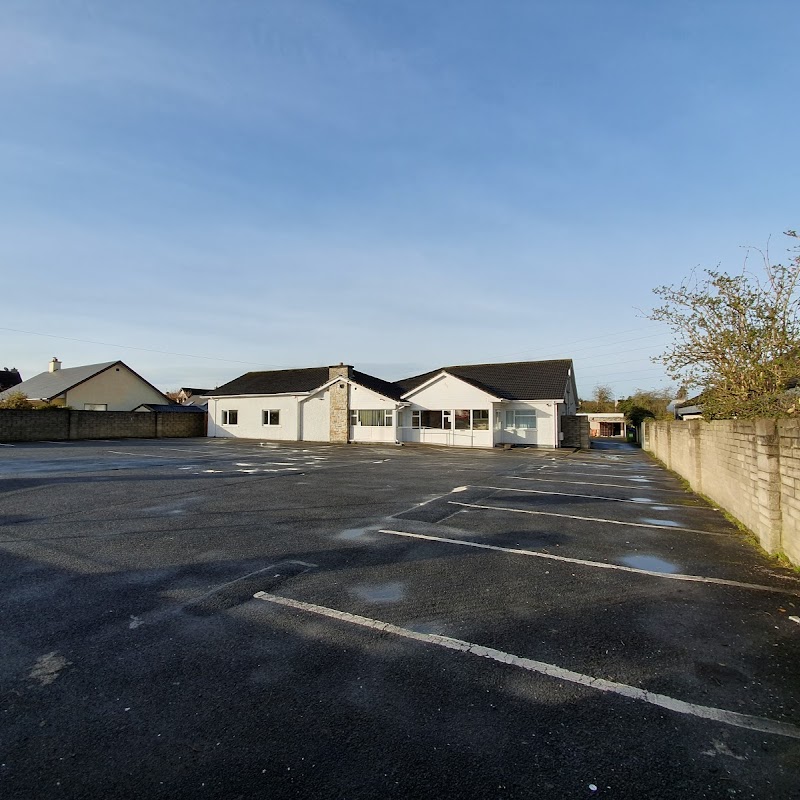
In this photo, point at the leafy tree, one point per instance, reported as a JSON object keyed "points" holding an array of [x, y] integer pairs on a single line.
{"points": [[16, 400], [737, 338], [650, 404]]}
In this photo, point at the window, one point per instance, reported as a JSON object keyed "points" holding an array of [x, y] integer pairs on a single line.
{"points": [[480, 419], [416, 419], [230, 417], [95, 407], [462, 419], [372, 418], [271, 417], [521, 418]]}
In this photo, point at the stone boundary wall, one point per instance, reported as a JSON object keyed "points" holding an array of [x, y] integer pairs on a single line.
{"points": [[576, 431], [36, 426], [751, 468]]}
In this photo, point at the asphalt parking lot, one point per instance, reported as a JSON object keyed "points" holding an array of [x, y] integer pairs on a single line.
{"points": [[231, 619]]}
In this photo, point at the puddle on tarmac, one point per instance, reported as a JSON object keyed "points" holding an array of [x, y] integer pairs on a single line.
{"points": [[391, 592], [651, 563], [664, 523], [353, 533]]}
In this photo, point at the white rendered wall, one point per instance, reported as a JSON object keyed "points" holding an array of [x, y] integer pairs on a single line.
{"points": [[250, 423], [362, 398], [315, 418], [117, 387], [448, 394], [544, 435]]}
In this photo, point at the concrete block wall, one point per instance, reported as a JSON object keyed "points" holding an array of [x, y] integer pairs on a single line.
{"points": [[789, 456], [33, 426], [112, 425], [751, 468], [576, 431]]}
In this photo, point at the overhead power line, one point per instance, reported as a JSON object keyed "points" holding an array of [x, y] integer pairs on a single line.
{"points": [[142, 349]]}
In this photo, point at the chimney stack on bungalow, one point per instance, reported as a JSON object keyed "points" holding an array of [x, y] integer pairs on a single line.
{"points": [[55, 365]]}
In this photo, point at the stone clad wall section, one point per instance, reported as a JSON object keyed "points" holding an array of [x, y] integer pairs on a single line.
{"points": [[751, 468], [340, 403]]}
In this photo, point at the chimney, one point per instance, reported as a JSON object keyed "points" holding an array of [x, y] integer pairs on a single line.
{"points": [[54, 365], [341, 370]]}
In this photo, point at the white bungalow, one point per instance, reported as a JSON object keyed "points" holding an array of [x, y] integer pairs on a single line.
{"points": [[480, 405]]}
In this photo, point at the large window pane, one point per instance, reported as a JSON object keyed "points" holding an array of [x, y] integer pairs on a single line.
{"points": [[480, 419], [462, 419], [375, 418], [525, 419], [432, 419]]}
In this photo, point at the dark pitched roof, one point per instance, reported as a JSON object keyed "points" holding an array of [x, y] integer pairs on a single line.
{"points": [[517, 380], [9, 378], [190, 391], [298, 380], [382, 387], [172, 408], [279, 381]]}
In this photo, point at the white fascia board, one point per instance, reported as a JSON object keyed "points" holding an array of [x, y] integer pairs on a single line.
{"points": [[352, 383], [450, 375], [324, 386], [258, 394], [542, 400]]}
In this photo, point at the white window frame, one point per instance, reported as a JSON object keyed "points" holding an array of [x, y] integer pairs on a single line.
{"points": [[226, 416], [265, 417], [95, 406], [512, 414], [356, 418]]}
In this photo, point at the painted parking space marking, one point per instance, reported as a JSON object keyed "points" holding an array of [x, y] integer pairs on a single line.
{"points": [[733, 718], [673, 576], [7, 445], [145, 455], [635, 478], [636, 500], [590, 483], [664, 526]]}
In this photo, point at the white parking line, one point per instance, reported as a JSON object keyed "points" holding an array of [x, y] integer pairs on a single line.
{"points": [[589, 497], [145, 455], [7, 445], [635, 478], [734, 718], [664, 527], [590, 483], [597, 564]]}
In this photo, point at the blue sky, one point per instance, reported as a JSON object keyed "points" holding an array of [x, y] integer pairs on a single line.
{"points": [[398, 185]]}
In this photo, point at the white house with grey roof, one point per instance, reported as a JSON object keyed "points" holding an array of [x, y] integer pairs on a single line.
{"points": [[477, 405], [111, 386]]}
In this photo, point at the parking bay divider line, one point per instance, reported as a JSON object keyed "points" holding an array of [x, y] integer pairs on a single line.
{"points": [[590, 483], [596, 564], [592, 497], [634, 478], [734, 718], [587, 519]]}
